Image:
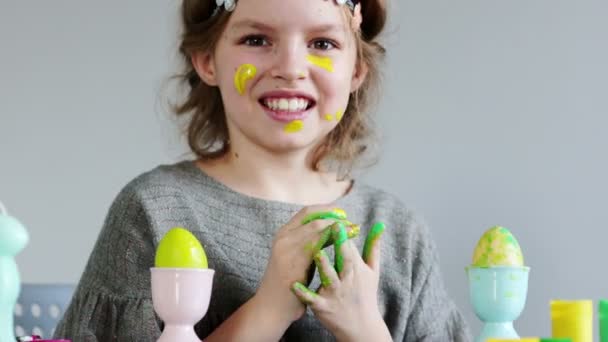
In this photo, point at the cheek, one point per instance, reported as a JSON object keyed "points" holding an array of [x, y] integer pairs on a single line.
{"points": [[239, 74], [243, 74], [334, 89]]}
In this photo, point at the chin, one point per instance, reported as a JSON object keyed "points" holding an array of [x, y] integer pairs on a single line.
{"points": [[284, 142]]}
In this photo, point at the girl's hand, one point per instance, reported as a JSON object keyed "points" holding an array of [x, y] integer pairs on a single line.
{"points": [[293, 248], [347, 303]]}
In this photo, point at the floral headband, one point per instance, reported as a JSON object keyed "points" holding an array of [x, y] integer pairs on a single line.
{"points": [[353, 5]]}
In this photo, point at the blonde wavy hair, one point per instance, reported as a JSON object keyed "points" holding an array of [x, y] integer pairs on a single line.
{"points": [[203, 110]]}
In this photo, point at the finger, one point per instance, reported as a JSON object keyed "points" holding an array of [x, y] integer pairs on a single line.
{"points": [[350, 255], [375, 256], [296, 220], [304, 294], [316, 233], [336, 214], [371, 249], [352, 231], [328, 275], [340, 237], [323, 240]]}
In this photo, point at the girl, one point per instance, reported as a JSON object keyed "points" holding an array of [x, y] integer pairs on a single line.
{"points": [[277, 94]]}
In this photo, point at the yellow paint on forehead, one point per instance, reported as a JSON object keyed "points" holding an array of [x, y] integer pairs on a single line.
{"points": [[294, 126], [322, 62], [243, 74]]}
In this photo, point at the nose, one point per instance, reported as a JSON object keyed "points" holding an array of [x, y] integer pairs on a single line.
{"points": [[289, 62]]}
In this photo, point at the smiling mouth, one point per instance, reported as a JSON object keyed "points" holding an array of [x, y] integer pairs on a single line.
{"points": [[287, 109], [287, 104]]}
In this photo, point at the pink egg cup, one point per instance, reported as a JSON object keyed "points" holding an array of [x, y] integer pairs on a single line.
{"points": [[181, 298]]}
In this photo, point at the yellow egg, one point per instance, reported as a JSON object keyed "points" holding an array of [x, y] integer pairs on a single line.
{"points": [[179, 248], [497, 247]]}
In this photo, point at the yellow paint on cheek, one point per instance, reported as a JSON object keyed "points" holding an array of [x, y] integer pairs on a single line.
{"points": [[330, 117], [243, 74], [294, 126], [322, 62]]}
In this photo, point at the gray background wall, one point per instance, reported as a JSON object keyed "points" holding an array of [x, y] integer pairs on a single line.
{"points": [[494, 112]]}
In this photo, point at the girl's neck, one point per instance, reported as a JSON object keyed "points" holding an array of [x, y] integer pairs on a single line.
{"points": [[284, 178]]}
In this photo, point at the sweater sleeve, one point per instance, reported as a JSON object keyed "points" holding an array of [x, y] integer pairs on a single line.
{"points": [[113, 298], [433, 315]]}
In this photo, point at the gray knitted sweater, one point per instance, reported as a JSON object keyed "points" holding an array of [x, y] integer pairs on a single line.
{"points": [[113, 300]]}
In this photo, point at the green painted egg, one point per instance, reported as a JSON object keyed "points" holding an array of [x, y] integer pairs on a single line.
{"points": [[179, 248], [497, 247]]}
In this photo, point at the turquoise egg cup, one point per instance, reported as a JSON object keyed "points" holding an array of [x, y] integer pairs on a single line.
{"points": [[498, 295]]}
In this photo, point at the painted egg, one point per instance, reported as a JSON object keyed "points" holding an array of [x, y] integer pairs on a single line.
{"points": [[179, 248], [497, 247]]}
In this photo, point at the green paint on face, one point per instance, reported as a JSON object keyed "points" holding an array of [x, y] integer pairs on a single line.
{"points": [[307, 296], [340, 237], [324, 215], [373, 236], [325, 280]]}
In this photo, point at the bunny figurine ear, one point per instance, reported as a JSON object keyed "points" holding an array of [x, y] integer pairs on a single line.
{"points": [[13, 236]]}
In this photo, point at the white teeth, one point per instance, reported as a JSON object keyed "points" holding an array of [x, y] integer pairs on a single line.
{"points": [[293, 105], [283, 104], [287, 104]]}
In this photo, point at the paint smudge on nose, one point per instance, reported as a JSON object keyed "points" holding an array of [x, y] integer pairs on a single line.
{"points": [[294, 126], [322, 62], [243, 74]]}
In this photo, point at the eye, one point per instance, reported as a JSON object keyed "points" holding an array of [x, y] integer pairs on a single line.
{"points": [[323, 44], [255, 40]]}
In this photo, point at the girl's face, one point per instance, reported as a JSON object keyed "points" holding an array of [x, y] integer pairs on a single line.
{"points": [[285, 69]]}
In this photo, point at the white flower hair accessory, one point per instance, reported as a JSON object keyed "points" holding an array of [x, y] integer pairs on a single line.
{"points": [[229, 5]]}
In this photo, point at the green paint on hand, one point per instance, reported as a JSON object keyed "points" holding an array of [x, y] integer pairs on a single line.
{"points": [[325, 236], [354, 229], [340, 237], [373, 236], [303, 293], [325, 280], [324, 215]]}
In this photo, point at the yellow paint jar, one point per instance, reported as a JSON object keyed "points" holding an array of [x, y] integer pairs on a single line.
{"points": [[524, 339], [572, 319]]}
